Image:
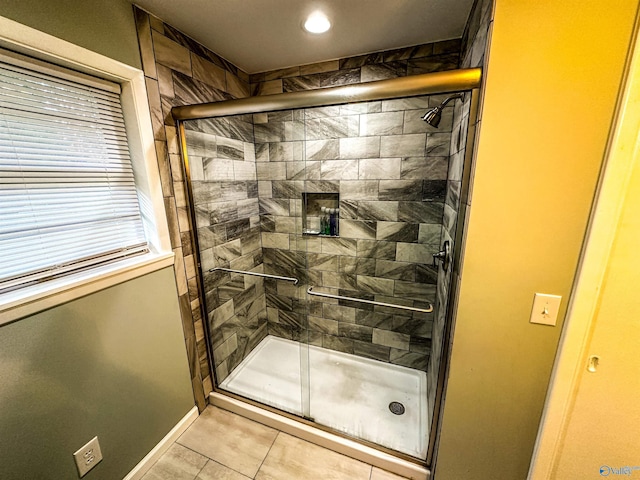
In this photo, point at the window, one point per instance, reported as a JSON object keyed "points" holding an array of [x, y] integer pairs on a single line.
{"points": [[68, 200]]}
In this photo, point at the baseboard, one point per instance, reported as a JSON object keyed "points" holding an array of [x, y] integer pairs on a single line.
{"points": [[152, 457], [320, 437]]}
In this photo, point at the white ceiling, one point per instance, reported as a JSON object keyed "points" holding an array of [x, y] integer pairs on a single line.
{"points": [[262, 35]]}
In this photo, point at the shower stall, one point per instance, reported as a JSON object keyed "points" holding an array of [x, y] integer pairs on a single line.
{"points": [[326, 240]]}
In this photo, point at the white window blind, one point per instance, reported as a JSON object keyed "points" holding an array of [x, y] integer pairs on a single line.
{"points": [[68, 200]]}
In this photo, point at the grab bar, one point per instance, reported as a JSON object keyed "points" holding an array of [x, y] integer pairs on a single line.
{"points": [[371, 302], [256, 274]]}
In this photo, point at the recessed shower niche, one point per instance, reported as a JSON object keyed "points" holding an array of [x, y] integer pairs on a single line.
{"points": [[321, 214]]}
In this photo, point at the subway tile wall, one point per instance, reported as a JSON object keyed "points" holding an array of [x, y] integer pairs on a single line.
{"points": [[376, 200], [390, 170], [281, 221], [431, 57], [222, 161]]}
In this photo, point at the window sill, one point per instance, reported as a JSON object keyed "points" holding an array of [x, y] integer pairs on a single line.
{"points": [[29, 300]]}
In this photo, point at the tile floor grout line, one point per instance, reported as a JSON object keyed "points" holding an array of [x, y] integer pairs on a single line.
{"points": [[227, 466], [223, 465], [268, 451], [205, 464], [209, 459], [371, 472], [194, 451]]}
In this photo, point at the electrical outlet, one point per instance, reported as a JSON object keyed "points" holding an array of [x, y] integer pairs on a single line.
{"points": [[88, 456]]}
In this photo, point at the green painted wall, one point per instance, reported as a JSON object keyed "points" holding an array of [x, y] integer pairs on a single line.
{"points": [[105, 27], [111, 364]]}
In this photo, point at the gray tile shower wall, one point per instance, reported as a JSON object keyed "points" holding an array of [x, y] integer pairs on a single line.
{"points": [[222, 163], [476, 34], [180, 71], [390, 170], [431, 57]]}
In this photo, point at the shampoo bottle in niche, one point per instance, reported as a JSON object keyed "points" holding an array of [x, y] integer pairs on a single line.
{"points": [[324, 221], [333, 221]]}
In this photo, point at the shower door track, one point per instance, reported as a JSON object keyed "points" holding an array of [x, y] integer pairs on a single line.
{"points": [[424, 84]]}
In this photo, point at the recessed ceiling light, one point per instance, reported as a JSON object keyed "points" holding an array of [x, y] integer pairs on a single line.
{"points": [[317, 22]]}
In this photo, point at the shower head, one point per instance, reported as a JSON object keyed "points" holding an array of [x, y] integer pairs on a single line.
{"points": [[434, 115]]}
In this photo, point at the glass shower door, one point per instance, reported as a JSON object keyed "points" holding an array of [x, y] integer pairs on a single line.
{"points": [[371, 170], [279, 156], [249, 263]]}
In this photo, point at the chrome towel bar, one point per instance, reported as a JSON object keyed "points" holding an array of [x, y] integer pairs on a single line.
{"points": [[371, 302], [256, 274]]}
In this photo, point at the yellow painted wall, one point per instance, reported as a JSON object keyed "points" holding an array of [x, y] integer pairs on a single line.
{"points": [[553, 76], [592, 417]]}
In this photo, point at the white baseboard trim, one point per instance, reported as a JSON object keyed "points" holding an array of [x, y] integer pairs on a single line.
{"points": [[322, 438], [152, 457]]}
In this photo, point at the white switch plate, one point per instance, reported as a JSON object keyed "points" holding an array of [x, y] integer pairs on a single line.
{"points": [[545, 309], [88, 456]]}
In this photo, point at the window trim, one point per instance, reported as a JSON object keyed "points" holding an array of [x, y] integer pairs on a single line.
{"points": [[42, 46]]}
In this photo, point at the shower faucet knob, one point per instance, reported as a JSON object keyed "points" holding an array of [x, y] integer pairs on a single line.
{"points": [[443, 255]]}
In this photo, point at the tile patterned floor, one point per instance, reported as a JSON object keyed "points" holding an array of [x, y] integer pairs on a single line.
{"points": [[224, 446]]}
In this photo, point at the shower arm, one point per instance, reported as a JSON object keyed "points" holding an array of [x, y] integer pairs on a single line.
{"points": [[432, 117], [448, 99]]}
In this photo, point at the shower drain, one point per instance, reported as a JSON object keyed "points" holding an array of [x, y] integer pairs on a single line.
{"points": [[396, 408]]}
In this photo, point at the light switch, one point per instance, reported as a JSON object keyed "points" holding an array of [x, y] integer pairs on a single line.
{"points": [[545, 309]]}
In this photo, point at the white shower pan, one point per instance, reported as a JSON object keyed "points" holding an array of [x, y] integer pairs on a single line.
{"points": [[347, 393]]}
